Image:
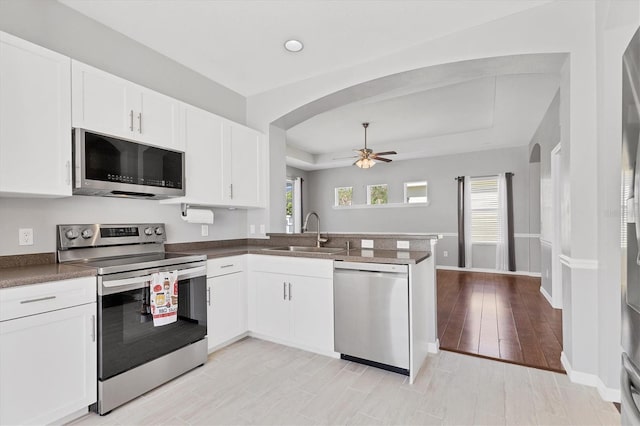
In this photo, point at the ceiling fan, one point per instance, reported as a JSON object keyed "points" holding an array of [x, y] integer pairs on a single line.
{"points": [[367, 158]]}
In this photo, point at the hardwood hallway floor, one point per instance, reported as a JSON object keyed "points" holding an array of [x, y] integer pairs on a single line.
{"points": [[499, 316]]}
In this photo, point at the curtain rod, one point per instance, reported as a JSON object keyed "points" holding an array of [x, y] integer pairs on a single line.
{"points": [[484, 176]]}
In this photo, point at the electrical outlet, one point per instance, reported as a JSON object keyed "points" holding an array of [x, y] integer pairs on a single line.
{"points": [[262, 229], [402, 245], [25, 236], [546, 273], [204, 230], [252, 229], [445, 253], [367, 244]]}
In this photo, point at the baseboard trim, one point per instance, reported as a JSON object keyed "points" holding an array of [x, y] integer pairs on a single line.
{"points": [[489, 271], [606, 393], [546, 296], [433, 347], [228, 342]]}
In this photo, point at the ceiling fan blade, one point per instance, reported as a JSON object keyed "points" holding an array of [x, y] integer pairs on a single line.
{"points": [[375, 157], [386, 153]]}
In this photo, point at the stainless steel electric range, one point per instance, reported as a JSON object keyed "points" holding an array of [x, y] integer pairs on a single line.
{"points": [[134, 356]]}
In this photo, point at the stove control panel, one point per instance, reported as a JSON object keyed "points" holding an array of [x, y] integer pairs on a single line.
{"points": [[97, 235]]}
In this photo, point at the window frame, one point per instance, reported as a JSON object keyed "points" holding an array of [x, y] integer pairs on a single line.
{"points": [[336, 197], [416, 183], [369, 187], [493, 210]]}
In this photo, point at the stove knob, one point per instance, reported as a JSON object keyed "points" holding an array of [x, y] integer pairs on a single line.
{"points": [[148, 231], [159, 231], [86, 233], [71, 234]]}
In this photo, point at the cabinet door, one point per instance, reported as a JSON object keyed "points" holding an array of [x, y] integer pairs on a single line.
{"points": [[35, 120], [272, 311], [245, 165], [203, 164], [48, 365], [226, 308], [312, 312], [102, 102], [156, 121]]}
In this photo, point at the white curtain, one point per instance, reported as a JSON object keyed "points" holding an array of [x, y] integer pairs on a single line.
{"points": [[502, 246], [297, 205], [468, 253]]}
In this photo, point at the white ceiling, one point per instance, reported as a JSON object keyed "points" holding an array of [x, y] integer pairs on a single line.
{"points": [[238, 43], [453, 108]]}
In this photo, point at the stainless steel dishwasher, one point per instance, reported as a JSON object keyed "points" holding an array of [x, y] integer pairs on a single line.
{"points": [[371, 314]]}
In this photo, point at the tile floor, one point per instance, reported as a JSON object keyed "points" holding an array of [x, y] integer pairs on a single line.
{"points": [[262, 383]]}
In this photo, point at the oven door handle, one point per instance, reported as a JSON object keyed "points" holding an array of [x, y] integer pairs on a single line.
{"points": [[198, 271], [182, 274], [127, 281]]}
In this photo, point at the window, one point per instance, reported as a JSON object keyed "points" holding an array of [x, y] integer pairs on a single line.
{"points": [[289, 205], [415, 192], [344, 196], [377, 194], [484, 209]]}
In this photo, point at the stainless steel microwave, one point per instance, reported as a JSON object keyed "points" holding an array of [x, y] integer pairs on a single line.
{"points": [[115, 167]]}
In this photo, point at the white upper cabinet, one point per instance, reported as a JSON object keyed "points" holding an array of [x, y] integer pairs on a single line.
{"points": [[108, 104], [35, 120], [204, 163], [244, 166]]}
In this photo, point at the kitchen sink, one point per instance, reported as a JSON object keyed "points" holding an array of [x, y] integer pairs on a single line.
{"points": [[304, 249]]}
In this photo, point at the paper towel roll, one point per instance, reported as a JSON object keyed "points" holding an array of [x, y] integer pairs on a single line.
{"points": [[198, 215]]}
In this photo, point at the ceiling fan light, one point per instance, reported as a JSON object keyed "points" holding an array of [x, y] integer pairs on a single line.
{"points": [[365, 163]]}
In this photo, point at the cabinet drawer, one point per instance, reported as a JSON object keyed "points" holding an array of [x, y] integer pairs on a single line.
{"points": [[225, 265], [307, 267], [34, 299]]}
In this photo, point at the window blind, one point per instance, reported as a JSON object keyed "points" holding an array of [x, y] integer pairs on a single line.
{"points": [[484, 209]]}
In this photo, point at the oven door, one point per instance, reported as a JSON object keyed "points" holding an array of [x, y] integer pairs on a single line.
{"points": [[127, 337]]}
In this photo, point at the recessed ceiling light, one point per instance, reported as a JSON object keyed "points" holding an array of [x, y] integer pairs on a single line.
{"points": [[293, 45]]}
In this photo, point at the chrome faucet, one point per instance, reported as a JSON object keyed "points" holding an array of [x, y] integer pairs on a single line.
{"points": [[319, 240]]}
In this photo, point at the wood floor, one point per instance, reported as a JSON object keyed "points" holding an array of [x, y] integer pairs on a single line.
{"points": [[254, 382], [499, 316]]}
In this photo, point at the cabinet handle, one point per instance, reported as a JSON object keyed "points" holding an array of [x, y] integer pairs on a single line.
{"points": [[284, 291], [131, 120], [93, 328], [227, 266], [68, 165], [231, 191], [140, 123], [208, 296], [289, 291], [41, 299]]}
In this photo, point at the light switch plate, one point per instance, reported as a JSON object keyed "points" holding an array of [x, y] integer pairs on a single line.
{"points": [[204, 231], [402, 245], [262, 229], [367, 244], [252, 229]]}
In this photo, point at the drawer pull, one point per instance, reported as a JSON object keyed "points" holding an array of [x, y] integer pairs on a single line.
{"points": [[41, 299], [227, 266], [93, 328]]}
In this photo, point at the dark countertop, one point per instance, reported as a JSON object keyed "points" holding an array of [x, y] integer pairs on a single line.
{"points": [[354, 255], [18, 270], [35, 274]]}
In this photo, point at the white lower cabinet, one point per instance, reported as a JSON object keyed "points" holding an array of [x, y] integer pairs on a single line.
{"points": [[47, 360], [296, 307], [226, 300]]}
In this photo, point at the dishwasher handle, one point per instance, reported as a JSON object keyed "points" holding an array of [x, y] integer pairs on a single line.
{"points": [[371, 267]]}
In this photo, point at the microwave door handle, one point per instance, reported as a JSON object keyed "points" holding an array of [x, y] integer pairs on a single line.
{"points": [[126, 281]]}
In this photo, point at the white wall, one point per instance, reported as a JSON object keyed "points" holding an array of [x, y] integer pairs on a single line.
{"points": [[44, 214], [440, 215], [547, 136], [616, 22]]}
